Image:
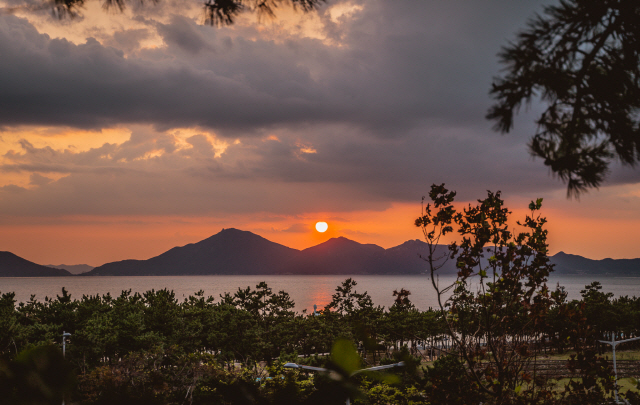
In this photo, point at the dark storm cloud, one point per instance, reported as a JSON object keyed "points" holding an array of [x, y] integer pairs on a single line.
{"points": [[398, 64]]}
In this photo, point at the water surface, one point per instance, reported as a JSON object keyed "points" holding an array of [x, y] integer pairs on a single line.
{"points": [[304, 290]]}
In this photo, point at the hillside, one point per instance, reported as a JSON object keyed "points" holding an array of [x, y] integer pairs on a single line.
{"points": [[236, 252], [340, 256], [233, 251], [12, 265], [72, 268], [230, 251], [574, 264]]}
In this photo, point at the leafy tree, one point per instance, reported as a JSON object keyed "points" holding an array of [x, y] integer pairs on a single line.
{"points": [[353, 315], [627, 312], [498, 304], [129, 324], [270, 316], [162, 314], [596, 380], [447, 383], [582, 60], [198, 320], [403, 323], [347, 301], [9, 325], [598, 310]]}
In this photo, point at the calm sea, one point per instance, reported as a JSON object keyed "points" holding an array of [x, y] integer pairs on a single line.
{"points": [[304, 290]]}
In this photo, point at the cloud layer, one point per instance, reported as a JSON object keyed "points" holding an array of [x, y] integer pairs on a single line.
{"points": [[387, 68]]}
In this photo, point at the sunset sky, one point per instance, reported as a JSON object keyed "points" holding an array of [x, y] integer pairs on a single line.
{"points": [[123, 135]]}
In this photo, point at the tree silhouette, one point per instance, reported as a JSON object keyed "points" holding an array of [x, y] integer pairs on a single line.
{"points": [[581, 59]]}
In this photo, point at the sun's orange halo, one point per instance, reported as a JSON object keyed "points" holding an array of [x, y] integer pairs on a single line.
{"points": [[321, 226]]}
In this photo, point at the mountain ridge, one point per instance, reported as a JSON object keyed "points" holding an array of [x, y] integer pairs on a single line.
{"points": [[231, 251], [338, 255], [235, 252], [575, 264], [72, 268]]}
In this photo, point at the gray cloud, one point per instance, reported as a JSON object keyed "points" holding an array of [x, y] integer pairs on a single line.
{"points": [[183, 34], [399, 105], [128, 40], [399, 65], [36, 179]]}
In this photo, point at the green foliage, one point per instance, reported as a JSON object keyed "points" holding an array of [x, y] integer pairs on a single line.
{"points": [[345, 357], [447, 383], [36, 376]]}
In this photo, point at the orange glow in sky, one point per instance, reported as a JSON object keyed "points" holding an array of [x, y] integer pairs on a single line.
{"points": [[98, 240]]}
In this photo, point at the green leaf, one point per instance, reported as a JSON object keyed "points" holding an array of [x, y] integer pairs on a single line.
{"points": [[344, 354]]}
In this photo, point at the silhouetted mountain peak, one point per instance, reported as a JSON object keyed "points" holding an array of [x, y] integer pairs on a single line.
{"points": [[340, 240], [12, 265], [230, 251], [234, 251], [410, 244], [342, 245], [233, 235], [233, 232]]}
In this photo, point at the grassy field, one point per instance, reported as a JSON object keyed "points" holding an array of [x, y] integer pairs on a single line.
{"points": [[620, 355], [624, 384]]}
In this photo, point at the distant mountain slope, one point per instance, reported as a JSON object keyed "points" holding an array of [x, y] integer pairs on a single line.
{"points": [[340, 256], [72, 268], [233, 251], [574, 264], [406, 258], [15, 266], [230, 251], [344, 256]]}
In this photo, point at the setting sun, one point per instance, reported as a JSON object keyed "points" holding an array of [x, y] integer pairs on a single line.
{"points": [[321, 226]]}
